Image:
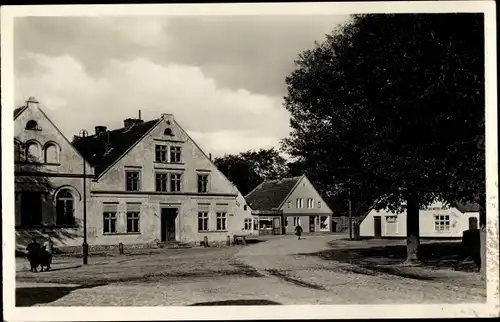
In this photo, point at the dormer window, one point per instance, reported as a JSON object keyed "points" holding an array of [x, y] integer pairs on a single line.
{"points": [[32, 125]]}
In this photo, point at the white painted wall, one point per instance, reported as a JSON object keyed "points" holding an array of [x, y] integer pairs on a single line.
{"points": [[458, 223]]}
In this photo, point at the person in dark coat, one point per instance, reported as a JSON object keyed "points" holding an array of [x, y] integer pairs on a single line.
{"points": [[298, 231], [34, 250]]}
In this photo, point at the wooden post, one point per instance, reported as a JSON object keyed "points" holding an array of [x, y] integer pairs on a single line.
{"points": [[235, 240], [205, 241], [228, 241], [120, 248]]}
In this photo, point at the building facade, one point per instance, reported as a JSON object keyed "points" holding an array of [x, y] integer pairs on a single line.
{"points": [[48, 180], [281, 205], [436, 221], [147, 183]]}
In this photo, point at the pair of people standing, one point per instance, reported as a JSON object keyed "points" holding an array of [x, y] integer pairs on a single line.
{"points": [[40, 256]]}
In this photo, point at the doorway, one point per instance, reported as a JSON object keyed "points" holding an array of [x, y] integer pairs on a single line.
{"points": [[168, 216], [276, 226], [312, 225], [377, 223]]}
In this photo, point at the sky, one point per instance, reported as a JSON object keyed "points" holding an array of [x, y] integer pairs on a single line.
{"points": [[222, 77]]}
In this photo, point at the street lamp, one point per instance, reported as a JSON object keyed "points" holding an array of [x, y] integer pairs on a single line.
{"points": [[85, 246], [350, 216]]}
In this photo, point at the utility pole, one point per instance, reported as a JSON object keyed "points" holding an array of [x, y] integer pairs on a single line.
{"points": [[350, 217], [85, 246]]}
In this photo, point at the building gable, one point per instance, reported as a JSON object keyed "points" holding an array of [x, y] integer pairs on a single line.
{"points": [[305, 191], [35, 134], [141, 157]]}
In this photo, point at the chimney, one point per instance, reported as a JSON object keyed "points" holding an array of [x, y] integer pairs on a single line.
{"points": [[32, 102], [128, 123], [210, 156], [100, 129], [140, 115]]}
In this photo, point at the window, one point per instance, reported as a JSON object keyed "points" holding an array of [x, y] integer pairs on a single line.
{"points": [[31, 208], [289, 204], [324, 223], [245, 207], [202, 221], [391, 219], [221, 221], [299, 203], [203, 183], [132, 180], [17, 152], [33, 152], [310, 203], [65, 208], [319, 204], [296, 221], [32, 125], [161, 182], [175, 154], [175, 182], [109, 225], [442, 223], [51, 153], [161, 153], [132, 222], [256, 224], [248, 223]]}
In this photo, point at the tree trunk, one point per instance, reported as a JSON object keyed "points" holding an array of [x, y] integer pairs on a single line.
{"points": [[482, 236], [412, 228]]}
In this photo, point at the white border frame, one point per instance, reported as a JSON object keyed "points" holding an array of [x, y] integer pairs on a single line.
{"points": [[490, 308]]}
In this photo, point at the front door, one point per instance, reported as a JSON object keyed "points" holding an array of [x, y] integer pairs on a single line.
{"points": [[276, 226], [312, 224], [377, 221], [168, 216]]}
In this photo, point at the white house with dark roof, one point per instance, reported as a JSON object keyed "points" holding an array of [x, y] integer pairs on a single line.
{"points": [[147, 183], [153, 184], [436, 221], [283, 204]]}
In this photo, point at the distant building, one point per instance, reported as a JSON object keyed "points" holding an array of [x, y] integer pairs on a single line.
{"points": [[283, 204], [436, 221], [148, 182]]}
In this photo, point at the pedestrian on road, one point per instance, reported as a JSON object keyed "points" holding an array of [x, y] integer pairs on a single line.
{"points": [[48, 245], [298, 231]]}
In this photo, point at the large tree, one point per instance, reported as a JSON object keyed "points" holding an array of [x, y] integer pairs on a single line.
{"points": [[388, 107], [248, 169]]}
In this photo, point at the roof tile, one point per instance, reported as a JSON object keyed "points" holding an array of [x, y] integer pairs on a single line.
{"points": [[270, 194]]}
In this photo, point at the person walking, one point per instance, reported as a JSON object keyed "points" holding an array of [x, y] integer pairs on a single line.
{"points": [[298, 231], [49, 245]]}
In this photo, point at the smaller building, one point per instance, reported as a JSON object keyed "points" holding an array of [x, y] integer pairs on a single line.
{"points": [[436, 221], [281, 205]]}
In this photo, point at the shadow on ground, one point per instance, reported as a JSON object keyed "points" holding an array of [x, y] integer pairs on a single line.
{"points": [[29, 296], [388, 259], [237, 302]]}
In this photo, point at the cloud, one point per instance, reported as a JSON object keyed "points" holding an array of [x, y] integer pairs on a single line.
{"points": [[222, 120], [255, 53]]}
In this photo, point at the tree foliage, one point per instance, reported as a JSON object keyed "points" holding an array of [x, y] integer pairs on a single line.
{"points": [[248, 169], [391, 107]]}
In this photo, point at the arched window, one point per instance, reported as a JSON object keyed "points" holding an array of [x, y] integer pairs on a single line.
{"points": [[17, 151], [51, 153], [33, 153], [65, 208], [32, 125]]}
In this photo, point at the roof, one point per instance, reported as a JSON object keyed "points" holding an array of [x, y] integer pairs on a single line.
{"points": [[269, 195], [95, 149], [467, 207], [18, 111]]}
